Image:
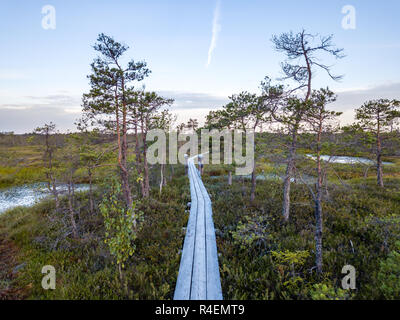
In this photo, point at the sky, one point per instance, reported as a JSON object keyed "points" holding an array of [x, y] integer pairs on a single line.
{"points": [[200, 52]]}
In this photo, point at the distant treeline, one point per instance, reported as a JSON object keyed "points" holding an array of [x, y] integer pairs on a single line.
{"points": [[391, 141]]}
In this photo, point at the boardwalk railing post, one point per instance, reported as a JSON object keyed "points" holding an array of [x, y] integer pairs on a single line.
{"points": [[200, 157], [186, 163]]}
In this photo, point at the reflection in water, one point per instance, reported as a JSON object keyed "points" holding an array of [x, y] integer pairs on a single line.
{"points": [[28, 195], [271, 177], [307, 178], [346, 160]]}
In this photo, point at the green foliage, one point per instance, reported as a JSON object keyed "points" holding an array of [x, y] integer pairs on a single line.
{"points": [[84, 267], [249, 277], [253, 232], [290, 259], [289, 265], [121, 225], [109, 77], [322, 291], [376, 115], [389, 274], [361, 226], [12, 176]]}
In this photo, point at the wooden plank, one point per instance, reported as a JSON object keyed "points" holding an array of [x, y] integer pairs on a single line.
{"points": [[214, 290], [184, 281], [199, 277]]}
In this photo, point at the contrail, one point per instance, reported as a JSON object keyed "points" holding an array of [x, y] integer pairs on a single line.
{"points": [[216, 28]]}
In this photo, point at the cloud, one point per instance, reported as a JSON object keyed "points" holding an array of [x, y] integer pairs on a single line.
{"points": [[13, 107], [216, 28], [349, 100], [26, 120], [62, 109], [63, 100], [189, 100], [13, 75]]}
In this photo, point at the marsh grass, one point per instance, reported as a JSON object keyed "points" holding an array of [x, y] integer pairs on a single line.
{"points": [[360, 229], [361, 224], [84, 267]]}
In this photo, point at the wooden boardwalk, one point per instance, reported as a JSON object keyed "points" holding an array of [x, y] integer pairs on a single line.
{"points": [[198, 277]]}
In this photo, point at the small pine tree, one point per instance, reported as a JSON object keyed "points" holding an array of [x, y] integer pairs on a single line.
{"points": [[122, 225]]}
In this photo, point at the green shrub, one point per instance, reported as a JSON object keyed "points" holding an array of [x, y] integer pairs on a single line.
{"points": [[389, 274], [360, 227], [253, 232], [121, 224], [322, 291], [84, 267]]}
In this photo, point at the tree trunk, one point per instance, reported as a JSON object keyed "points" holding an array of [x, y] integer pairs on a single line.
{"points": [[243, 187], [318, 202], [138, 158], [318, 230], [126, 189], [165, 182], [161, 177], [287, 184], [289, 174], [71, 211], [91, 204], [253, 185], [123, 148], [318, 218], [379, 162], [125, 173], [286, 192], [55, 193], [292, 151], [120, 272], [229, 178], [172, 172], [146, 170]]}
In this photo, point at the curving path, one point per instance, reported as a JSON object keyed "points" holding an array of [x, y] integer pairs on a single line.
{"points": [[198, 277]]}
